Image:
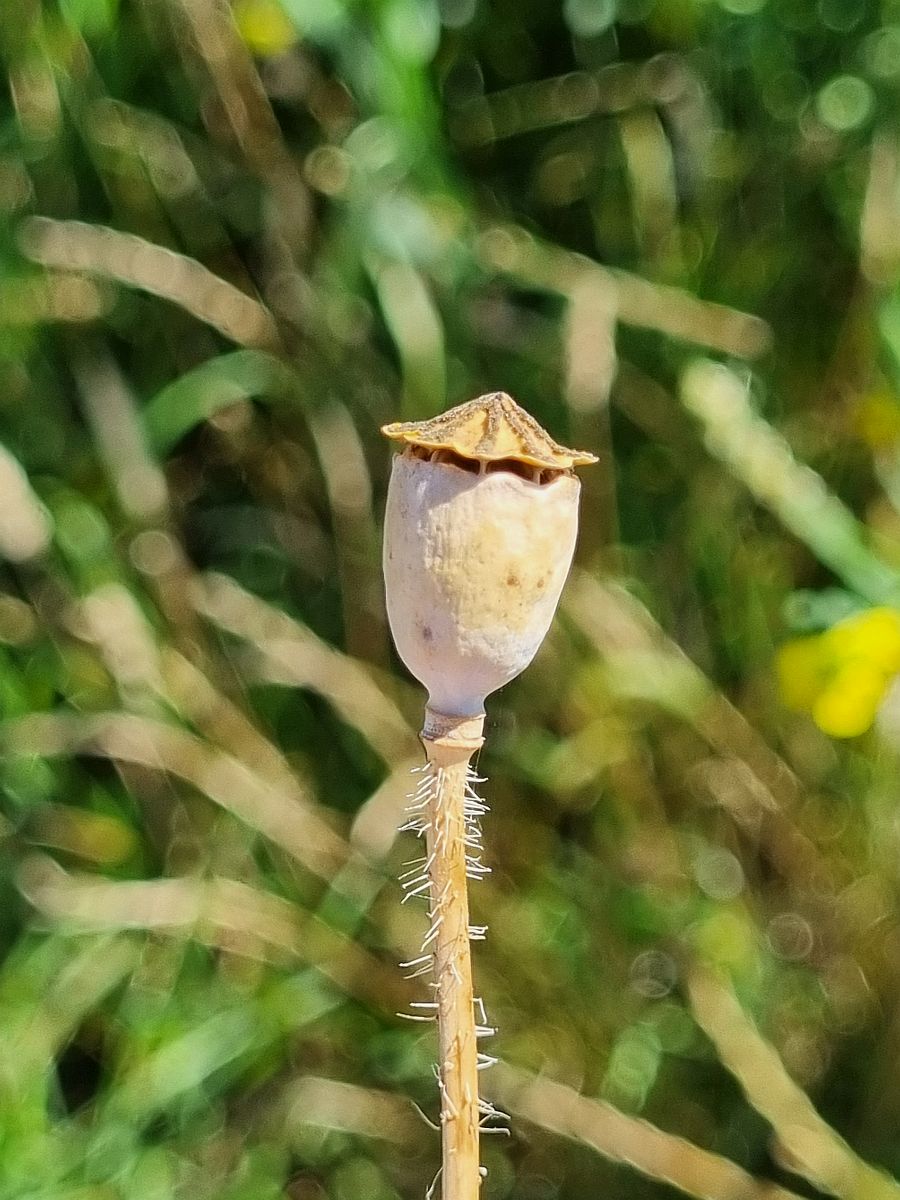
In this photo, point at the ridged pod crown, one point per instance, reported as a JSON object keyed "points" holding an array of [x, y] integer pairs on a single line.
{"points": [[489, 429]]}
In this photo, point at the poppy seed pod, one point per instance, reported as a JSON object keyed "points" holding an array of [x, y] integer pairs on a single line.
{"points": [[480, 528]]}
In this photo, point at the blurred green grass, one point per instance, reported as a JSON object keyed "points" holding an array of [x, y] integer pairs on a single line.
{"points": [[235, 240]]}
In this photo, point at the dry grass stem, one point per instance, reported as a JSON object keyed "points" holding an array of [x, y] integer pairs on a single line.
{"points": [[638, 301], [284, 814], [804, 1142], [134, 261], [288, 653], [225, 913], [361, 1111], [628, 1140]]}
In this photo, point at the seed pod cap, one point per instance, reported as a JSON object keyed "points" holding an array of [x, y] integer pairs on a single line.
{"points": [[488, 429]]}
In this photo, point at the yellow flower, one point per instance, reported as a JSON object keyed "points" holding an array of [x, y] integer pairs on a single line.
{"points": [[840, 677], [264, 26], [847, 707], [873, 637]]}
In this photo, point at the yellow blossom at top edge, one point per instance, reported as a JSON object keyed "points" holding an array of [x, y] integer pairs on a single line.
{"points": [[872, 637], [264, 27]]}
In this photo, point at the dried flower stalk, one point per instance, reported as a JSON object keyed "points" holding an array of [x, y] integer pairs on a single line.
{"points": [[480, 529]]}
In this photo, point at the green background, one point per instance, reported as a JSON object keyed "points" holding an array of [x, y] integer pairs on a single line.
{"points": [[233, 243]]}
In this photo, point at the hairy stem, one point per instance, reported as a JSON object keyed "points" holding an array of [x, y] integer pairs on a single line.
{"points": [[449, 744]]}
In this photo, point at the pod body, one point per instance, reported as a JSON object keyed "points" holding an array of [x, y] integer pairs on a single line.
{"points": [[474, 565]]}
